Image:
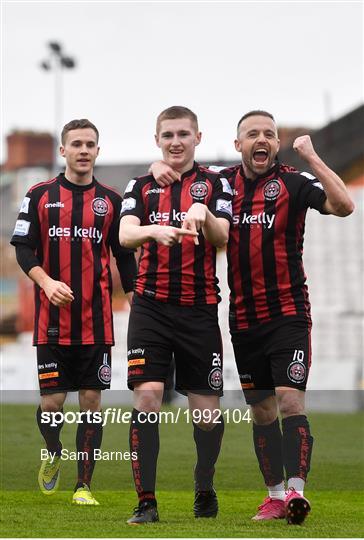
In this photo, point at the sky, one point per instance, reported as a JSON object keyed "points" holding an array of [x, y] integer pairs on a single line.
{"points": [[302, 61]]}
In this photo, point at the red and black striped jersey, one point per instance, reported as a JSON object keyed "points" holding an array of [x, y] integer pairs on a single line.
{"points": [[71, 229], [185, 273], [265, 271]]}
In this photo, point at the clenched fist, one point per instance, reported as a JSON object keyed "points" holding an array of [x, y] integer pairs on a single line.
{"points": [[304, 148]]}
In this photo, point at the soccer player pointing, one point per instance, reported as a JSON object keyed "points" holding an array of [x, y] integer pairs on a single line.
{"points": [[174, 310], [62, 237], [270, 320]]}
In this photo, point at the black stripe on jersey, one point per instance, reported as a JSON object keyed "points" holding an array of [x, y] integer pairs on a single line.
{"points": [[76, 267], [231, 280], [40, 256], [37, 311], [97, 311], [296, 276], [54, 259], [269, 263], [216, 280], [244, 252], [200, 251], [150, 284], [232, 303], [199, 270], [175, 253]]}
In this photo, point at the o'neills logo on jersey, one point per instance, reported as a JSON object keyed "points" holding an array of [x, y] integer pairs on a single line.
{"points": [[262, 218], [161, 217], [75, 232], [154, 190], [57, 204]]}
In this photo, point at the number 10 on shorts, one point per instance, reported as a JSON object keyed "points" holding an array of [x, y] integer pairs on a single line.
{"points": [[298, 355]]}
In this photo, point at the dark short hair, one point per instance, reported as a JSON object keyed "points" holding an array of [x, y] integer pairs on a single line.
{"points": [[255, 113], [176, 112], [83, 123]]}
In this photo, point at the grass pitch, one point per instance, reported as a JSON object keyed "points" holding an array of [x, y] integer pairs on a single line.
{"points": [[335, 487]]}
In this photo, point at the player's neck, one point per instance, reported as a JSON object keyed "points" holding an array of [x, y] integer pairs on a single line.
{"points": [[78, 179], [248, 173], [252, 175], [186, 167]]}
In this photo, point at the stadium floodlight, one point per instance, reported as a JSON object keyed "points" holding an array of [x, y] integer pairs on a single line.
{"points": [[68, 62], [56, 62], [55, 46]]}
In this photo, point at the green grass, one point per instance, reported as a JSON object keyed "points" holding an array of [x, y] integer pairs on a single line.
{"points": [[33, 515], [335, 486]]}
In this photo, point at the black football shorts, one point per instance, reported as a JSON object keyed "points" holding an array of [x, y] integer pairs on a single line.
{"points": [[67, 368], [159, 332], [276, 353]]}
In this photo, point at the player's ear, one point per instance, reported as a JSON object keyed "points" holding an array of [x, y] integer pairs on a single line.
{"points": [[237, 145], [156, 138], [98, 150], [279, 144], [198, 138], [61, 151]]}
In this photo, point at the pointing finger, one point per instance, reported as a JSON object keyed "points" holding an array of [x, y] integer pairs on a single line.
{"points": [[187, 232]]}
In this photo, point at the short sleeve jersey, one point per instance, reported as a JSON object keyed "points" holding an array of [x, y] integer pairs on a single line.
{"points": [[185, 273], [71, 229], [265, 270]]}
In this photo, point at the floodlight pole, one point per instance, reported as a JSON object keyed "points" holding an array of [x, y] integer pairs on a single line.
{"points": [[56, 62], [58, 112]]}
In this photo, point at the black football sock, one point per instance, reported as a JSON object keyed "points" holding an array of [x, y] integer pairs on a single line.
{"points": [[144, 441], [297, 446], [268, 449], [50, 433], [88, 439], [208, 444]]}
